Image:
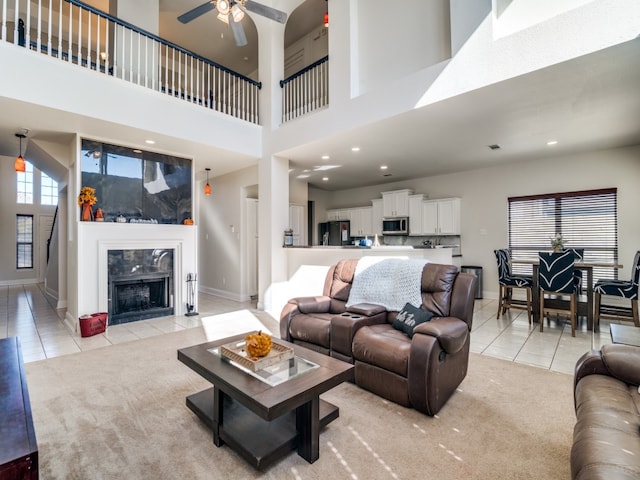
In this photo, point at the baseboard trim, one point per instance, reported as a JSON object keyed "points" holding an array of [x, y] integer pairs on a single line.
{"points": [[224, 294]]}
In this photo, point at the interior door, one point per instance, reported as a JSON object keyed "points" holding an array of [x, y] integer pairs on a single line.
{"points": [[251, 253]]}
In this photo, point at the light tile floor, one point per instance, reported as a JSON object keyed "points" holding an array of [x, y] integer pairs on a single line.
{"points": [[24, 311]]}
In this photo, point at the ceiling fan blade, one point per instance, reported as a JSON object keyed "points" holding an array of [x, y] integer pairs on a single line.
{"points": [[238, 32], [265, 11], [196, 12]]}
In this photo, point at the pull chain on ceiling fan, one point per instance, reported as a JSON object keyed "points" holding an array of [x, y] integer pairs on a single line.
{"points": [[231, 12]]}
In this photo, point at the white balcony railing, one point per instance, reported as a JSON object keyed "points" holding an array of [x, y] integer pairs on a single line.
{"points": [[74, 32], [305, 91]]}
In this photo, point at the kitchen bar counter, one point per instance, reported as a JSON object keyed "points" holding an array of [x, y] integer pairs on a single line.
{"points": [[326, 256], [307, 268]]}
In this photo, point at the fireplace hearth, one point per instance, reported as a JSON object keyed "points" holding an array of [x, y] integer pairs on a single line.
{"points": [[140, 284]]}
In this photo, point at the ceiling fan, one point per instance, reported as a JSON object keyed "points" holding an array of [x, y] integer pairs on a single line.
{"points": [[232, 12]]}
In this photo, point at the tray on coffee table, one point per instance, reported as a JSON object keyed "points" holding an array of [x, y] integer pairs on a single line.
{"points": [[236, 352]]}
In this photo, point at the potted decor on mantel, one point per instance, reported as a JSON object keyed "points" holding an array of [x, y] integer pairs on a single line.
{"points": [[86, 200]]}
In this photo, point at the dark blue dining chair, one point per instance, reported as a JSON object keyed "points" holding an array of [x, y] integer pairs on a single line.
{"points": [[556, 277], [578, 256], [621, 289], [507, 282]]}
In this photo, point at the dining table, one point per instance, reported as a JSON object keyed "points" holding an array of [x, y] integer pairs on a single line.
{"points": [[585, 308]]}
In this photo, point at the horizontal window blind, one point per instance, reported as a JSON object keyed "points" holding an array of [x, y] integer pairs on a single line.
{"points": [[586, 219]]}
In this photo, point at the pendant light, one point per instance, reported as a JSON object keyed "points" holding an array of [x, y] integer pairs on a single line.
{"points": [[326, 20], [207, 187], [19, 164]]}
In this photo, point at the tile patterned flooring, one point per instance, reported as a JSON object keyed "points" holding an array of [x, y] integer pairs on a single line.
{"points": [[25, 312]]}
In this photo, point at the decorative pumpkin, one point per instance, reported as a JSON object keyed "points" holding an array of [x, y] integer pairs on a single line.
{"points": [[188, 221], [258, 344]]}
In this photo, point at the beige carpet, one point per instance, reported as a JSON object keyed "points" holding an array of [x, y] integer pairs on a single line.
{"points": [[119, 412]]}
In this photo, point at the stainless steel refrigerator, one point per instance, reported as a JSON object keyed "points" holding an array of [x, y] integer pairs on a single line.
{"points": [[334, 233]]}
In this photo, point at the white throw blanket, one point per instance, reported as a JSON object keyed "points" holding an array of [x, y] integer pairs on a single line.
{"points": [[387, 281]]}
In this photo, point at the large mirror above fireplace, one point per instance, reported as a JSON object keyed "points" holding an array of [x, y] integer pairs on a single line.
{"points": [[137, 186]]}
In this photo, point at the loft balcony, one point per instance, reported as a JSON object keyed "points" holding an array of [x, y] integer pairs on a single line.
{"points": [[76, 33]]}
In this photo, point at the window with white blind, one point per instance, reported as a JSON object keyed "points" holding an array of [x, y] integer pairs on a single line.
{"points": [[24, 241], [586, 219]]}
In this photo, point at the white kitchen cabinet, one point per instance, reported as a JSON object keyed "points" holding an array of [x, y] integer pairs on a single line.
{"points": [[338, 214], [396, 203], [297, 224], [415, 214], [376, 216], [441, 217], [361, 221]]}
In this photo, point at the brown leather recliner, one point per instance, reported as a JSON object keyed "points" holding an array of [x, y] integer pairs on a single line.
{"points": [[606, 437], [422, 372], [322, 323]]}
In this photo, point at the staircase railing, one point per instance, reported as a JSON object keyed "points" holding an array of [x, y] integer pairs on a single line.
{"points": [[306, 90], [74, 32]]}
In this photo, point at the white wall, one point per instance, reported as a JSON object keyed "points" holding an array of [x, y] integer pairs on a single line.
{"points": [[221, 233], [399, 40], [484, 195]]}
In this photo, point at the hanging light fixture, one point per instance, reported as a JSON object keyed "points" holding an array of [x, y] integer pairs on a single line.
{"points": [[326, 20], [237, 13], [207, 187], [19, 164]]}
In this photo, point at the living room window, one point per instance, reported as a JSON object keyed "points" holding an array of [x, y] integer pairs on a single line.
{"points": [[24, 241], [48, 190], [24, 184], [585, 219]]}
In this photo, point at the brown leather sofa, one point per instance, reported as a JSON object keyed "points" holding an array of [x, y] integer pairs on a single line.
{"points": [[606, 437], [420, 372]]}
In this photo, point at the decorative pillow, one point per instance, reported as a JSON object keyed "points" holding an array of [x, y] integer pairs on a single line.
{"points": [[409, 318]]}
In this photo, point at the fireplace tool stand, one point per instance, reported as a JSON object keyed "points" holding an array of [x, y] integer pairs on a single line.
{"points": [[191, 294]]}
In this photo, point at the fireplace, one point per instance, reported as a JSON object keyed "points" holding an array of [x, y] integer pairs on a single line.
{"points": [[140, 284]]}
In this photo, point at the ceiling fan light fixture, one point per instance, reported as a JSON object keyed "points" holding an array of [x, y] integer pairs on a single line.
{"points": [[223, 18], [237, 13], [223, 7]]}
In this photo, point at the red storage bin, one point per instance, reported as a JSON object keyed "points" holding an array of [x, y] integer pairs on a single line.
{"points": [[93, 324]]}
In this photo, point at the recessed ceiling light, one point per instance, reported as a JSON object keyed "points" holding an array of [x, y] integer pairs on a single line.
{"points": [[321, 168], [325, 179], [355, 149], [383, 167], [552, 143], [303, 175], [137, 151], [150, 142], [325, 157]]}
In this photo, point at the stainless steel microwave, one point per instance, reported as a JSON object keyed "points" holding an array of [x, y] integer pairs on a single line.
{"points": [[395, 226]]}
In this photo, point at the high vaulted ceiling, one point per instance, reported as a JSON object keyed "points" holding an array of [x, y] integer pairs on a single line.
{"points": [[588, 103]]}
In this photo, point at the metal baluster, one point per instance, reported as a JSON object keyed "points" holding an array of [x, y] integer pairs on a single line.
{"points": [[89, 42], [99, 58], [173, 71], [3, 28], [138, 67], [60, 31], [27, 36], [130, 52], [70, 46], [146, 61], [49, 46], [79, 54]]}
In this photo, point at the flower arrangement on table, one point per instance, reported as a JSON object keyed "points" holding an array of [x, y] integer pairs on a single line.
{"points": [[86, 200], [557, 242]]}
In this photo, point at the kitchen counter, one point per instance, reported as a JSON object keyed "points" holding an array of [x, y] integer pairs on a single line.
{"points": [[328, 255], [307, 267]]}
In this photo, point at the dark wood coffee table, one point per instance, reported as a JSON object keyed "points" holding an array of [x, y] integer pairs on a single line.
{"points": [[260, 421]]}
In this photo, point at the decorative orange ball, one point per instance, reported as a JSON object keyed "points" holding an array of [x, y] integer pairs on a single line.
{"points": [[258, 344]]}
